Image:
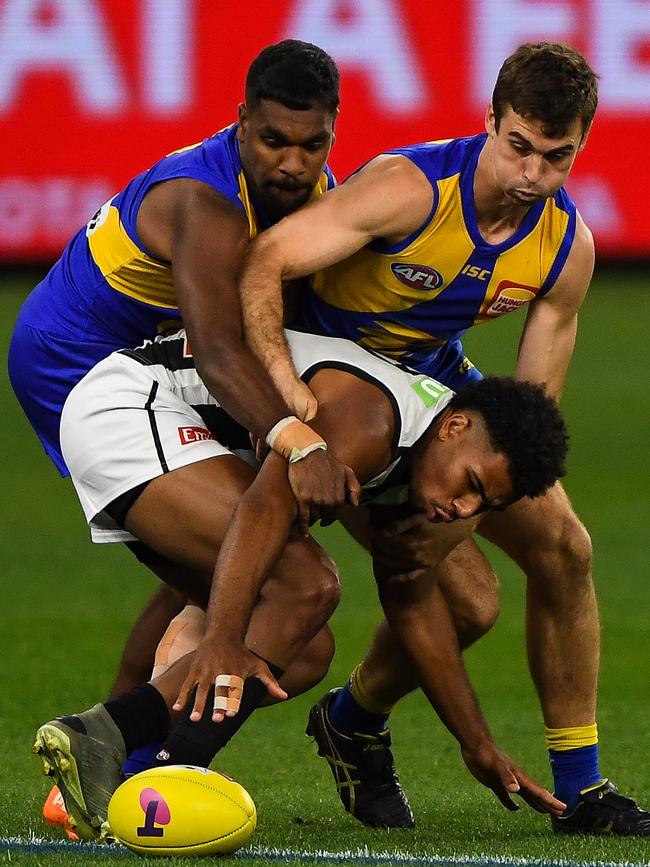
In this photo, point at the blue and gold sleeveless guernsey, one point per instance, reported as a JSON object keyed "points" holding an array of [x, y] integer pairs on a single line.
{"points": [[412, 302], [107, 291]]}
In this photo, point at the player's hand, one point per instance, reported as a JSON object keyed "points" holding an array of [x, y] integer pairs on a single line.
{"points": [[225, 664], [296, 394], [492, 767], [320, 483], [406, 544]]}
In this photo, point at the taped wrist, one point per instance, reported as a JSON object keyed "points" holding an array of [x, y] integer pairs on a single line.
{"points": [[293, 439]]}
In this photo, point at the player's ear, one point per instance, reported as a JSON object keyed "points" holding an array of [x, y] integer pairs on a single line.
{"points": [[453, 424], [583, 140], [242, 114], [490, 121]]}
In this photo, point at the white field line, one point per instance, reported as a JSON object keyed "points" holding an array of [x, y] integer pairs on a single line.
{"points": [[38, 845]]}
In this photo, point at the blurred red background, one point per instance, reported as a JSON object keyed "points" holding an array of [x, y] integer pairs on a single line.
{"points": [[93, 91]]}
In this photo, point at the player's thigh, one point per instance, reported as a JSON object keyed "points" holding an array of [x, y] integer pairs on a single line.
{"points": [[183, 514], [533, 530], [468, 582]]}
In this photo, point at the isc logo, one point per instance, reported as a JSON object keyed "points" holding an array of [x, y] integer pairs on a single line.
{"points": [[475, 271], [417, 276]]}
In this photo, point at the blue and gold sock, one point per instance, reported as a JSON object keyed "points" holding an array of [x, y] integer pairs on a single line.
{"points": [[353, 709], [573, 753]]}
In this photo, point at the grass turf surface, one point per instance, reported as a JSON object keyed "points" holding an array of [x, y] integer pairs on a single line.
{"points": [[68, 606]]}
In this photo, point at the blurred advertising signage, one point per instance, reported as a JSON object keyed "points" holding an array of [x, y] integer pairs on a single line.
{"points": [[94, 91]]}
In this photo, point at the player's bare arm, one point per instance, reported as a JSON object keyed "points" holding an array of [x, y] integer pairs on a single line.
{"points": [[204, 236], [412, 602], [549, 335], [358, 420], [389, 198]]}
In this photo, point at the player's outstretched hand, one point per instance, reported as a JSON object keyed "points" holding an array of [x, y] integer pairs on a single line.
{"points": [[320, 483], [492, 767], [224, 664]]}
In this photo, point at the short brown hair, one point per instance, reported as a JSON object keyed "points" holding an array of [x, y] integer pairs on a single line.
{"points": [[550, 82]]}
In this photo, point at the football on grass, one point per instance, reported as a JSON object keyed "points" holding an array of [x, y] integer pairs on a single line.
{"points": [[182, 810]]}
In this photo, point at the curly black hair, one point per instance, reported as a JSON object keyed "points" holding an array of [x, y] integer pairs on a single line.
{"points": [[295, 73], [525, 425], [550, 82]]}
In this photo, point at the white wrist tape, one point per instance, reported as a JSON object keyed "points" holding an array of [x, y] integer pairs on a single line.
{"points": [[277, 427], [298, 454], [293, 439]]}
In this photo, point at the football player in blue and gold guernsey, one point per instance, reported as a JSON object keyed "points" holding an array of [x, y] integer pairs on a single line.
{"points": [[416, 247], [168, 246]]}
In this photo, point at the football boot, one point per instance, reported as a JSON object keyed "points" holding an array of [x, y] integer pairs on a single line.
{"points": [[363, 769], [55, 813], [84, 753], [602, 809]]}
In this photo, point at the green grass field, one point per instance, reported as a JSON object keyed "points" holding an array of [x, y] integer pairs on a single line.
{"points": [[67, 607]]}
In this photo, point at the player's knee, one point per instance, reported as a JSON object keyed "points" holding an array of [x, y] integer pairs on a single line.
{"points": [[314, 662], [571, 548], [478, 621], [310, 583], [474, 615], [321, 591], [577, 548]]}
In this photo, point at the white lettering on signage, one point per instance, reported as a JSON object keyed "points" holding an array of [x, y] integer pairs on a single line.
{"points": [[501, 25], [610, 30], [167, 54], [621, 27], [73, 39], [371, 38], [51, 207]]}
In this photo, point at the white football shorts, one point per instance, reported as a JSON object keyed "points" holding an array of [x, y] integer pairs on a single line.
{"points": [[121, 427]]}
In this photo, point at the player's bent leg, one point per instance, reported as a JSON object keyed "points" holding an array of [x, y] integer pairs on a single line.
{"points": [[295, 602], [187, 628], [350, 724], [547, 540], [310, 666], [471, 590], [137, 658]]}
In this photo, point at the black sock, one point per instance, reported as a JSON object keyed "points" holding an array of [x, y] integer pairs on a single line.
{"points": [[197, 743], [141, 715]]}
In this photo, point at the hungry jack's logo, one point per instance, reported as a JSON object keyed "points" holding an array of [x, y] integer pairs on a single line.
{"points": [[510, 296]]}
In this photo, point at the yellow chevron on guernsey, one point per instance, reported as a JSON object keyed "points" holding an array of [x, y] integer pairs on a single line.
{"points": [[392, 338], [125, 267]]}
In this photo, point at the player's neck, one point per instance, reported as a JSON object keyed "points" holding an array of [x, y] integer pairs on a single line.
{"points": [[497, 217]]}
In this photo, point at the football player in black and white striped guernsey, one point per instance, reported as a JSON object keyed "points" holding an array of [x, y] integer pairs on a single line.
{"points": [[141, 429]]}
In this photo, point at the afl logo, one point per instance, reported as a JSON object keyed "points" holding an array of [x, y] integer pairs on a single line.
{"points": [[417, 276]]}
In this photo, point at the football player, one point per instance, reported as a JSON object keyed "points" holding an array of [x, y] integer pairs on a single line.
{"points": [[416, 247], [143, 419]]}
